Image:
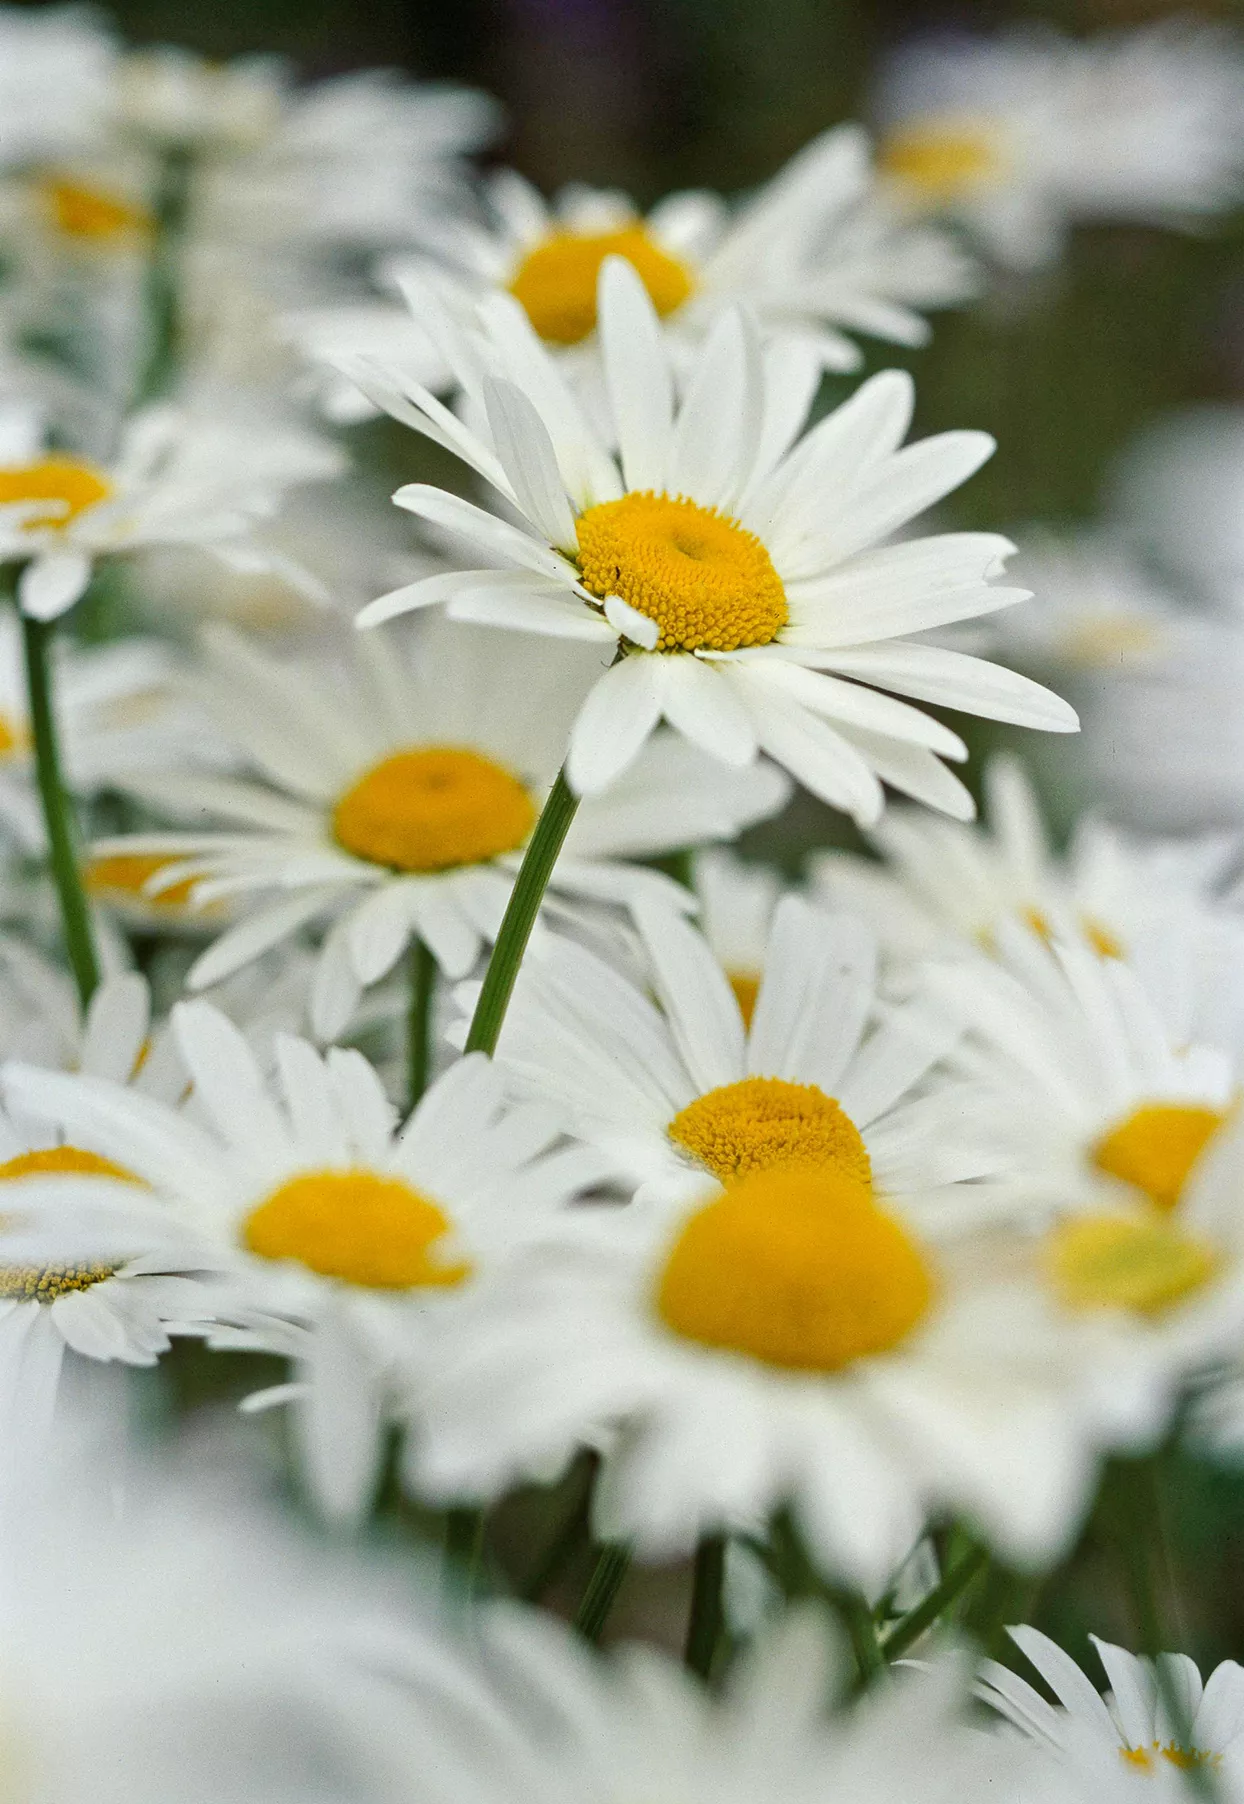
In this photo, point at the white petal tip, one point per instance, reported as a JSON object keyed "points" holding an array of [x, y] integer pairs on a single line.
{"points": [[630, 624]]}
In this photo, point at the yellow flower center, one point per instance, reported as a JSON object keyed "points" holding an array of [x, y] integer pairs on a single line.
{"points": [[556, 282], [1126, 1262], [1156, 1148], [13, 736], [90, 214], [762, 1122], [1186, 1759], [359, 1226], [707, 582], [798, 1268], [125, 874], [45, 1283], [74, 487], [434, 807], [53, 1160], [746, 987], [942, 159]]}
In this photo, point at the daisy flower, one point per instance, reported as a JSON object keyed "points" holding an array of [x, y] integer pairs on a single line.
{"points": [[56, 67], [1136, 1729], [1025, 133], [176, 480], [682, 1098], [337, 1235], [948, 887], [532, 1714], [1174, 493], [401, 782], [1100, 1101], [736, 569]]}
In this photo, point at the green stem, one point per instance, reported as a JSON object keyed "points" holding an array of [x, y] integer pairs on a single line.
{"points": [[57, 814], [707, 1617], [571, 1534], [908, 1629], [1137, 1525], [464, 1551], [869, 1659], [612, 1565], [419, 1021], [520, 916], [164, 312]]}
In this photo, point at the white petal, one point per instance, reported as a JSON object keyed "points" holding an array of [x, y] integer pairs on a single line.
{"points": [[702, 706], [508, 543], [50, 584], [526, 450], [615, 720], [637, 374]]}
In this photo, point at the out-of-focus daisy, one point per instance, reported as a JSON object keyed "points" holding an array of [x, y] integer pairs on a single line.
{"points": [[1176, 491], [791, 1341], [1099, 1098], [738, 569], [336, 1232], [177, 479], [55, 76], [682, 1098], [398, 794], [737, 902], [946, 886], [1021, 134], [119, 710], [536, 1714], [1158, 1720]]}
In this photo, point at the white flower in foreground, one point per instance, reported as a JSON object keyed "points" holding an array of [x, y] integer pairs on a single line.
{"points": [[1021, 134], [789, 1341], [1076, 1071], [1158, 1721], [401, 784], [172, 1638], [336, 1233], [947, 886], [682, 1098], [534, 1715], [738, 570], [177, 480]]}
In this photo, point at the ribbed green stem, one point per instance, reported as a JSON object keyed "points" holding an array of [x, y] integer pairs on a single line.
{"points": [[57, 811], [520, 916], [707, 1618], [422, 996], [930, 1609], [612, 1565]]}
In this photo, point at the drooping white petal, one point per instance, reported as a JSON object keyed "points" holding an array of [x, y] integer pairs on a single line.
{"points": [[615, 720], [52, 582]]}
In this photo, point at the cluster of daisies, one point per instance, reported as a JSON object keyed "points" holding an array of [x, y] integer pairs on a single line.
{"points": [[393, 1033]]}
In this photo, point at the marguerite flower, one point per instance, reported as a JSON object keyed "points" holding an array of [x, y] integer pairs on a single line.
{"points": [[683, 1098], [739, 574], [336, 1233], [176, 480], [1136, 1728], [398, 794], [1024, 133]]}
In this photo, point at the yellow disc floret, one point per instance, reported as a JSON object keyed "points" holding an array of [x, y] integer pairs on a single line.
{"points": [[433, 807], [556, 282], [71, 487], [1126, 1262], [364, 1227], [50, 1161], [45, 1283], [941, 159], [798, 1268], [1156, 1147], [90, 214], [746, 987], [762, 1122], [708, 583]]}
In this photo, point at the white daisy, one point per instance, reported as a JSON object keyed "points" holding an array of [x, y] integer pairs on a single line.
{"points": [[739, 574], [682, 1098], [338, 1235], [1175, 493], [789, 1341], [535, 1715], [400, 789], [55, 73], [177, 480], [1022, 134], [1158, 1720]]}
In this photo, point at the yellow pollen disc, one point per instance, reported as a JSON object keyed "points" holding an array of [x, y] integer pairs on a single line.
{"points": [[798, 1268], [746, 987], [762, 1122], [941, 159], [355, 1225], [1124, 1262], [556, 282], [1156, 1148], [58, 1159], [45, 1283], [125, 875], [74, 486], [90, 214], [707, 582], [434, 807]]}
